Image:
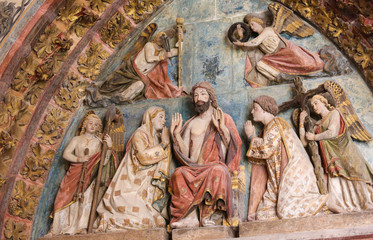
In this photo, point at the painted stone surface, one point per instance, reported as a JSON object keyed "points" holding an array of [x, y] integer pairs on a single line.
{"points": [[208, 56]]}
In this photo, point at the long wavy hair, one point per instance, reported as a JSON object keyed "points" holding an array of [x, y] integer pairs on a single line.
{"points": [[323, 100], [84, 125]]}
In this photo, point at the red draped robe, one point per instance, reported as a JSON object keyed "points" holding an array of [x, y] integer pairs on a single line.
{"points": [[204, 184], [157, 83], [70, 182]]}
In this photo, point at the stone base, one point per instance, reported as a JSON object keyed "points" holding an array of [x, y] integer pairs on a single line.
{"points": [[324, 226], [144, 234], [216, 232]]}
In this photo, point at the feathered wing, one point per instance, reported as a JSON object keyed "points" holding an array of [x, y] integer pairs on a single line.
{"points": [[116, 133], [355, 126], [284, 20], [143, 39]]}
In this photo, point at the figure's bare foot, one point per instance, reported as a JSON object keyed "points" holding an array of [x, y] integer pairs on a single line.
{"points": [[206, 222], [186, 223]]}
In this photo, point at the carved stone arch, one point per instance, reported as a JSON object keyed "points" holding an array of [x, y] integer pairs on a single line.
{"points": [[43, 77], [39, 97]]}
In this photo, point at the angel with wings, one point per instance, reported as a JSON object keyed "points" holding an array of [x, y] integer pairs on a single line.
{"points": [[143, 73], [349, 177], [74, 199], [271, 58]]}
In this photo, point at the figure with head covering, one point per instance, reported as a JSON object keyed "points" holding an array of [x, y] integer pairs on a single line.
{"points": [[209, 147], [143, 74], [137, 196], [349, 176], [74, 198], [288, 187]]}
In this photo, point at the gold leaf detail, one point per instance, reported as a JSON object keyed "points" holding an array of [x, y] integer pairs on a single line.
{"points": [[38, 164], [10, 107], [70, 13], [99, 5], [52, 127], [139, 10], [6, 141], [35, 91], [25, 76], [363, 56], [90, 64], [114, 32], [15, 230], [24, 201], [83, 23], [45, 45], [71, 92]]}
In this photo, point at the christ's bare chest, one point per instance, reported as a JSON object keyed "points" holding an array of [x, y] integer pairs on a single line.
{"points": [[197, 134]]}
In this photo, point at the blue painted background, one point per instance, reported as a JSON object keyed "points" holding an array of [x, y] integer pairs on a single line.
{"points": [[208, 56]]}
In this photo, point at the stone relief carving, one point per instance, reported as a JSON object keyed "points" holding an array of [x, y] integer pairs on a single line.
{"points": [[24, 200], [339, 29], [72, 90], [272, 59], [37, 164], [15, 230], [9, 14], [138, 195], [115, 31], [283, 180], [360, 56], [100, 5], [144, 74], [89, 65], [86, 181], [139, 10], [208, 146], [50, 130]]}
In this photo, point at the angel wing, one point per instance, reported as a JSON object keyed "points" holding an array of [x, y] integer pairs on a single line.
{"points": [[355, 126], [144, 38], [116, 133], [284, 20]]}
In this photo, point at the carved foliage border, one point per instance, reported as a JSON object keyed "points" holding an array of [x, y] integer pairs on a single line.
{"points": [[35, 73]]}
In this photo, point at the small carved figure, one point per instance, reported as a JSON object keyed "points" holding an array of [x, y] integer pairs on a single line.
{"points": [[74, 198], [144, 72], [209, 146], [349, 176], [137, 196], [288, 186], [272, 59]]}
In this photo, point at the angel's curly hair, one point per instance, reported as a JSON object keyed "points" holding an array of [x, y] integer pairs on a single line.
{"points": [[323, 100], [254, 19], [91, 116]]}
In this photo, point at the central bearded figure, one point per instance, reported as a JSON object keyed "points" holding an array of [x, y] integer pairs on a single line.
{"points": [[209, 146]]}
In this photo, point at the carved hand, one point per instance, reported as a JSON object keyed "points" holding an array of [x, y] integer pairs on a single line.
{"points": [[84, 158], [108, 141], [165, 136], [310, 136], [176, 124], [302, 117], [238, 43], [249, 129], [167, 54], [218, 119]]}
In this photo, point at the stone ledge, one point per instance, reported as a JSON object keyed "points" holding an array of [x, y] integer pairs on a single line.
{"points": [[324, 226], [143, 234], [215, 232]]}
